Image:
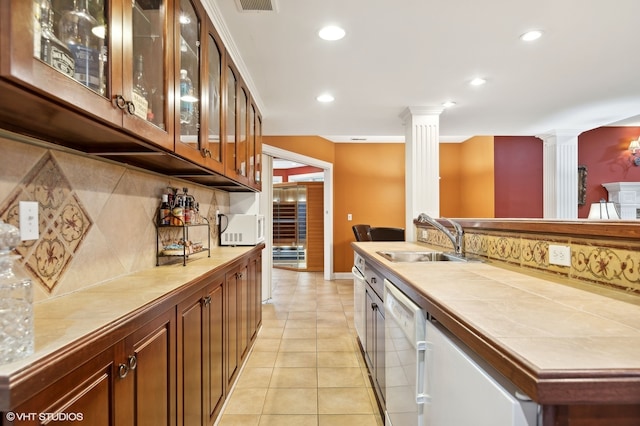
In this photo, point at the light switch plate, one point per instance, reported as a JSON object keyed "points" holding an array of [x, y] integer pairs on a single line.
{"points": [[29, 220], [559, 255]]}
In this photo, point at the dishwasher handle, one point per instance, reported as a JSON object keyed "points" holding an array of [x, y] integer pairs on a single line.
{"points": [[422, 349], [356, 273]]}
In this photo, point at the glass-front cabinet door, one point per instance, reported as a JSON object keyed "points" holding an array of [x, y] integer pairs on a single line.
{"points": [[231, 94], [84, 55], [255, 155], [146, 66], [63, 50], [189, 141], [213, 150], [241, 146]]}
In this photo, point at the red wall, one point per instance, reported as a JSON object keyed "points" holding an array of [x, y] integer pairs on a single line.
{"points": [[605, 153], [518, 176], [285, 173]]}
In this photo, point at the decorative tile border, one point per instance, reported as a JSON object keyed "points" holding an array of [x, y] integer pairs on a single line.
{"points": [[606, 263]]}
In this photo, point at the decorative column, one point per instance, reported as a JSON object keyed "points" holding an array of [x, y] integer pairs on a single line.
{"points": [[560, 174], [422, 164]]}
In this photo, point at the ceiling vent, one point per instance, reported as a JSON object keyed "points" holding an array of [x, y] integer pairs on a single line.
{"points": [[256, 5]]}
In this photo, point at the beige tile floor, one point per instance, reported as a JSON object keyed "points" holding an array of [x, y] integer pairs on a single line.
{"points": [[305, 367]]}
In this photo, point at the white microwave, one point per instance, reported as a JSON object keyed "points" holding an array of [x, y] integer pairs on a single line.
{"points": [[241, 229]]}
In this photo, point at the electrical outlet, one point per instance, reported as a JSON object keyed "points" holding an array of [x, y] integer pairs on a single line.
{"points": [[349, 217], [559, 255], [29, 220]]}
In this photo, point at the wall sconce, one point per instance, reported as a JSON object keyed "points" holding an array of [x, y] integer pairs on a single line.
{"points": [[634, 147], [603, 210]]}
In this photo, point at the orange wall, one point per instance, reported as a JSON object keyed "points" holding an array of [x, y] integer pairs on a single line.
{"points": [[477, 194], [450, 179], [368, 183], [467, 178]]}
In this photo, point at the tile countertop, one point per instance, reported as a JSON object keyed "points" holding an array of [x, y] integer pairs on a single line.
{"points": [[60, 321], [547, 328]]}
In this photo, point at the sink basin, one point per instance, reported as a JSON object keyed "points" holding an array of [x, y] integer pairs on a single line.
{"points": [[421, 256]]}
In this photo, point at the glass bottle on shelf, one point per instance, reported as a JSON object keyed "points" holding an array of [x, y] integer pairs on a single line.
{"points": [[165, 211], [148, 40], [140, 96], [51, 49], [81, 32], [187, 99]]}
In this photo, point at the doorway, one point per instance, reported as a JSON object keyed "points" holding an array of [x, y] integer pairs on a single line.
{"points": [[269, 153]]}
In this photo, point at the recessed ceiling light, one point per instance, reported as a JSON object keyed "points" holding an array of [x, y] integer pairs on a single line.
{"points": [[531, 35], [478, 81], [448, 104], [331, 33], [325, 98]]}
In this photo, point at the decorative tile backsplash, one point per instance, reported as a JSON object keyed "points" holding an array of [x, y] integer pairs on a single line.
{"points": [[63, 221], [605, 263], [96, 218]]}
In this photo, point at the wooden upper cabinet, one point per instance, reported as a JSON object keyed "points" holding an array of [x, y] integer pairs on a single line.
{"points": [[146, 67], [236, 124], [201, 60], [213, 101], [230, 117], [255, 147], [243, 136], [107, 59], [127, 78]]}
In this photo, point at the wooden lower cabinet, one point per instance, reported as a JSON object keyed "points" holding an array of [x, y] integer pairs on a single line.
{"points": [[130, 383], [87, 394], [243, 313], [171, 364], [200, 359], [146, 373], [255, 294]]}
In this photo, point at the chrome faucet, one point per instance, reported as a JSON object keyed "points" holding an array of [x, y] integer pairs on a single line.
{"points": [[457, 240]]}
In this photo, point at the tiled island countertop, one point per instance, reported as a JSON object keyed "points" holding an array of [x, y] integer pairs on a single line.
{"points": [[561, 342], [63, 323]]}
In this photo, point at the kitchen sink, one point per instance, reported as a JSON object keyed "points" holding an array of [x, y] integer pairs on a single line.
{"points": [[421, 256]]}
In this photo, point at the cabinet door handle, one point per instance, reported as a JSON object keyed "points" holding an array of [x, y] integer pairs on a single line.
{"points": [[123, 370], [133, 362], [206, 301], [374, 306], [374, 280], [131, 108], [119, 101]]}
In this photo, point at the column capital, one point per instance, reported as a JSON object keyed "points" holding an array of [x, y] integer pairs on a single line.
{"points": [[414, 111], [559, 135]]}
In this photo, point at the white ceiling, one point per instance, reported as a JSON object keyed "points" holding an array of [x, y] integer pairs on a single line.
{"points": [[583, 73]]}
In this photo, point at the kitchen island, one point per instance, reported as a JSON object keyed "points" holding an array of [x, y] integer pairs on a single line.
{"points": [[572, 347]]}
